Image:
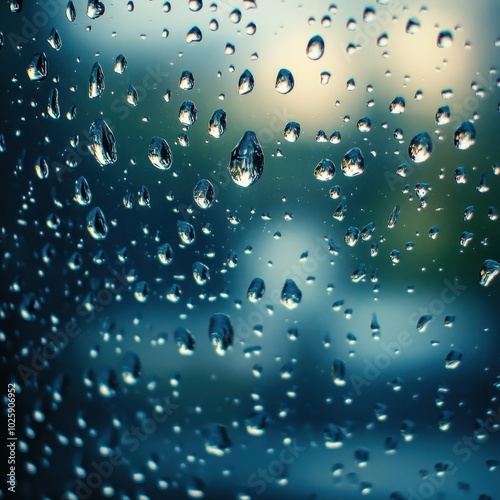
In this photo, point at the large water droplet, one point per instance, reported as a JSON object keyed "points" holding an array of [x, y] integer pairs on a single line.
{"points": [[188, 113], [194, 35], [444, 39], [55, 39], [315, 48], [291, 296], [256, 290], [245, 83], [325, 170], [96, 81], [201, 273], [120, 64], [185, 341], [95, 9], [186, 232], [292, 131], [220, 332], [488, 271], [159, 153], [247, 160], [420, 147], [38, 68], [284, 81], [353, 163], [186, 81], [217, 441], [83, 195], [96, 224], [217, 124], [102, 142], [203, 193], [465, 135]]}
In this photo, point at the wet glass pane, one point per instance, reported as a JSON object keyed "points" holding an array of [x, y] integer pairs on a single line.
{"points": [[250, 249]]}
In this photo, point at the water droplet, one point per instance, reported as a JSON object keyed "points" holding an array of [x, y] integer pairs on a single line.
{"points": [[291, 295], [420, 147], [245, 83], [188, 113], [120, 64], [102, 142], [340, 211], [194, 35], [186, 232], [159, 153], [256, 290], [96, 224], [132, 96], [203, 193], [42, 167], [95, 9], [38, 68], [412, 26], [367, 231], [333, 436], [70, 11], [220, 332], [165, 254], [185, 341], [131, 368], [488, 271], [353, 163], [444, 39], [453, 360], [338, 373], [291, 132], [217, 441], [96, 81], [186, 80], [468, 212], [217, 124], [364, 124], [284, 81], [334, 192], [351, 236], [201, 273], [325, 170], [83, 195], [443, 115], [465, 135], [256, 423], [397, 106], [54, 39], [423, 322], [247, 160], [315, 48]]}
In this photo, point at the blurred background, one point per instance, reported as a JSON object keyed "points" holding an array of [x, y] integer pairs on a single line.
{"points": [[407, 426]]}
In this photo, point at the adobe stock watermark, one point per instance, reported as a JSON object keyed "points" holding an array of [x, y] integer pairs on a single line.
{"points": [[30, 28], [59, 340], [381, 362], [449, 293], [373, 368], [259, 480], [131, 440], [464, 447]]}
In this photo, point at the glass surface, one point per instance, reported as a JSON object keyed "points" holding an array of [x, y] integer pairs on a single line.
{"points": [[250, 249]]}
